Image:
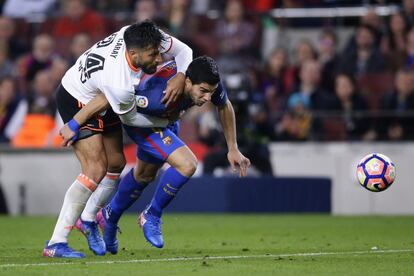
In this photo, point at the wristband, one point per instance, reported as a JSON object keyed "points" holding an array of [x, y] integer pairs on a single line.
{"points": [[73, 125]]}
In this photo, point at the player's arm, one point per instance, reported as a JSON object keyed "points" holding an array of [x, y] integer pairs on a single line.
{"points": [[70, 130], [228, 123], [133, 118], [183, 55]]}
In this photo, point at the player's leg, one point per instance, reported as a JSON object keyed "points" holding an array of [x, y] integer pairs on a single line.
{"points": [[88, 222], [91, 154], [160, 145], [116, 161], [89, 150], [183, 165], [130, 188]]}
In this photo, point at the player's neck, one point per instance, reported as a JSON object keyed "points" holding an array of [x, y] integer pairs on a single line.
{"points": [[129, 61]]}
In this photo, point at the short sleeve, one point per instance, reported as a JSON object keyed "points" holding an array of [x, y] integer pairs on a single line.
{"points": [[166, 44], [219, 96], [121, 100]]}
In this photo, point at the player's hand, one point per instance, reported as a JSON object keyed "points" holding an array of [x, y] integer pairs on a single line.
{"points": [[175, 87], [236, 158], [68, 135]]}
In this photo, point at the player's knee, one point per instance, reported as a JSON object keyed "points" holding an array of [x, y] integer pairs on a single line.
{"points": [[145, 179], [117, 163], [187, 167], [96, 170]]}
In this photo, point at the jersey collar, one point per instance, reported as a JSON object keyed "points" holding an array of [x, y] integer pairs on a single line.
{"points": [[131, 66]]}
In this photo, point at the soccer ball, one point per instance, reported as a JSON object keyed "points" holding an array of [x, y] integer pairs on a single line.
{"points": [[376, 172]]}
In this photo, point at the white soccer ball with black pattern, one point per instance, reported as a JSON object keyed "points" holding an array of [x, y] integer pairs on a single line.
{"points": [[376, 172]]}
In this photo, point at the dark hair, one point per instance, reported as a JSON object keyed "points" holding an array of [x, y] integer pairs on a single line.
{"points": [[369, 28], [203, 69], [351, 79], [143, 35]]}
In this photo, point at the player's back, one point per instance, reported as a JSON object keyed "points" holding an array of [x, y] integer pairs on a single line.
{"points": [[101, 65]]}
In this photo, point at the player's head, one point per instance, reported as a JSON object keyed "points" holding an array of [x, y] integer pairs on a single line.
{"points": [[202, 79], [142, 41]]}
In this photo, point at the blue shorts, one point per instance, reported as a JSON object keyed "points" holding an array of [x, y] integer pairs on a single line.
{"points": [[154, 145]]}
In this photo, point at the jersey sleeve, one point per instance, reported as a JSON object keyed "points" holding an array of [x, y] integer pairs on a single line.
{"points": [[166, 44], [121, 100], [219, 96], [181, 52]]}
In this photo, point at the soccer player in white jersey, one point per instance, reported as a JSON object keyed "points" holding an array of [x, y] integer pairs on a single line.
{"points": [[112, 66]]}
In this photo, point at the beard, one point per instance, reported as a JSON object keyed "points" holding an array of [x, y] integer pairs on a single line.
{"points": [[148, 69]]}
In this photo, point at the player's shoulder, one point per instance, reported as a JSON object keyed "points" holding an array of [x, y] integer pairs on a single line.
{"points": [[166, 70]]}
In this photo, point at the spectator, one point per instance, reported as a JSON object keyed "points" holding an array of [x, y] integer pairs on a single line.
{"points": [[304, 51], [394, 43], [276, 80], [80, 43], [38, 122], [398, 107], [349, 103], [180, 21], [366, 58], [57, 70], [77, 18], [372, 19], [7, 37], [408, 10], [145, 10], [328, 58], [311, 96], [309, 86], [9, 101], [39, 59], [409, 55], [374, 22], [6, 65], [234, 35], [296, 123]]}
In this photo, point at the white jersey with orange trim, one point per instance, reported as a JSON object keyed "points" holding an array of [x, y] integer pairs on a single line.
{"points": [[104, 67]]}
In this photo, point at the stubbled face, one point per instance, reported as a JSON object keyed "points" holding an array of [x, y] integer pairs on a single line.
{"points": [[147, 59], [200, 93]]}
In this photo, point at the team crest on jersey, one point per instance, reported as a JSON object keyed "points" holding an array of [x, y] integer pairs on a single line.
{"points": [[167, 140], [142, 101]]}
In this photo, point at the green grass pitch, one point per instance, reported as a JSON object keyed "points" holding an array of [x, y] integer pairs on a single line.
{"points": [[217, 244]]}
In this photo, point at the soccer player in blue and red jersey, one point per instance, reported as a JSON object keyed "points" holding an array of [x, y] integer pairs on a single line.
{"points": [[159, 145]]}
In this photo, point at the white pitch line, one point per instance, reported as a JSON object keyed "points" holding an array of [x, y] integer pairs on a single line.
{"points": [[179, 259]]}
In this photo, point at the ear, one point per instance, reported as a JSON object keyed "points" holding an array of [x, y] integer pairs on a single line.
{"points": [[132, 52], [188, 83]]}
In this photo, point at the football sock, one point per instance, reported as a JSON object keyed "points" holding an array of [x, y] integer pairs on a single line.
{"points": [[75, 200], [100, 197], [170, 183], [128, 192]]}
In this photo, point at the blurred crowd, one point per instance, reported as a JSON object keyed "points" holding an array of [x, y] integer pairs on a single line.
{"points": [[330, 87]]}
